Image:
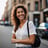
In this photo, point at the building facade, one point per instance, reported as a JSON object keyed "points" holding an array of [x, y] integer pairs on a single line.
{"points": [[5, 14], [37, 9]]}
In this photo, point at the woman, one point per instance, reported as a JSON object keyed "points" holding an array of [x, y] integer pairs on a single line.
{"points": [[20, 33]]}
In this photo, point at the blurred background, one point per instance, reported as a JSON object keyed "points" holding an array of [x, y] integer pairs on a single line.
{"points": [[37, 12]]}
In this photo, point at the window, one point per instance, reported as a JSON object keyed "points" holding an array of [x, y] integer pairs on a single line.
{"points": [[21, 1], [29, 7], [40, 3], [45, 16], [14, 0], [36, 6], [47, 3]]}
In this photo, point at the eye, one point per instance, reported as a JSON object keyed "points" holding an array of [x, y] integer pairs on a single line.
{"points": [[18, 12], [21, 11]]}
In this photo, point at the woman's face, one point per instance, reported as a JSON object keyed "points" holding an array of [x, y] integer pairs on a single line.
{"points": [[20, 14]]}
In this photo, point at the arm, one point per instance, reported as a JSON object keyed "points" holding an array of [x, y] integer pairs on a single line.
{"points": [[13, 35], [29, 40], [13, 38]]}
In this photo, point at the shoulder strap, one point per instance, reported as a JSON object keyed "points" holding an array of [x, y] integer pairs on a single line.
{"points": [[28, 26]]}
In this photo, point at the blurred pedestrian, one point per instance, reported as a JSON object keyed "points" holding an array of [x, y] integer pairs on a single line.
{"points": [[20, 34]]}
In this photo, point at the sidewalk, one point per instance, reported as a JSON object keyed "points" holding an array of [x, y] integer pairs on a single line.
{"points": [[1, 26], [44, 41]]}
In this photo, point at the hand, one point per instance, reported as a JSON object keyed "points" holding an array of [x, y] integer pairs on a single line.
{"points": [[13, 40]]}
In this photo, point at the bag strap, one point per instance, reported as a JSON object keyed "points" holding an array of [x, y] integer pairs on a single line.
{"points": [[28, 30], [28, 26]]}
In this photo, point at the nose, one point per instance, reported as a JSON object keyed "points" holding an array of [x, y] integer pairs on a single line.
{"points": [[20, 13]]}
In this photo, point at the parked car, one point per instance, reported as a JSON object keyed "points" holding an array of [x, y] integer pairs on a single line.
{"points": [[42, 30], [6, 23], [1, 22]]}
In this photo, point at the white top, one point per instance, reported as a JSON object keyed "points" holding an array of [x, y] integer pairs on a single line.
{"points": [[22, 33]]}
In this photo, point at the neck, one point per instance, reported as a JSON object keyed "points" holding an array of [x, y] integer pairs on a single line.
{"points": [[22, 21]]}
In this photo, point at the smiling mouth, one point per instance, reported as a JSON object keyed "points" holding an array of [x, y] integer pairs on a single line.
{"points": [[21, 16]]}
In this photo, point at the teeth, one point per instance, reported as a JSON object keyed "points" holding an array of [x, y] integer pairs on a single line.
{"points": [[21, 16]]}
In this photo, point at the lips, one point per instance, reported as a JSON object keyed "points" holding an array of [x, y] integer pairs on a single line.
{"points": [[21, 16]]}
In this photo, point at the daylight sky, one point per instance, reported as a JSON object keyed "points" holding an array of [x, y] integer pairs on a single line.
{"points": [[2, 6]]}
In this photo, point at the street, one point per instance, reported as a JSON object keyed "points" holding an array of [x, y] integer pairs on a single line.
{"points": [[5, 38]]}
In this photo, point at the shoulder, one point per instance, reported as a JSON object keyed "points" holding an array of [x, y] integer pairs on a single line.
{"points": [[32, 28], [30, 22]]}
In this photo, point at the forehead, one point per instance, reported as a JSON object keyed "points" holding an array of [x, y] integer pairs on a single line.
{"points": [[20, 9]]}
